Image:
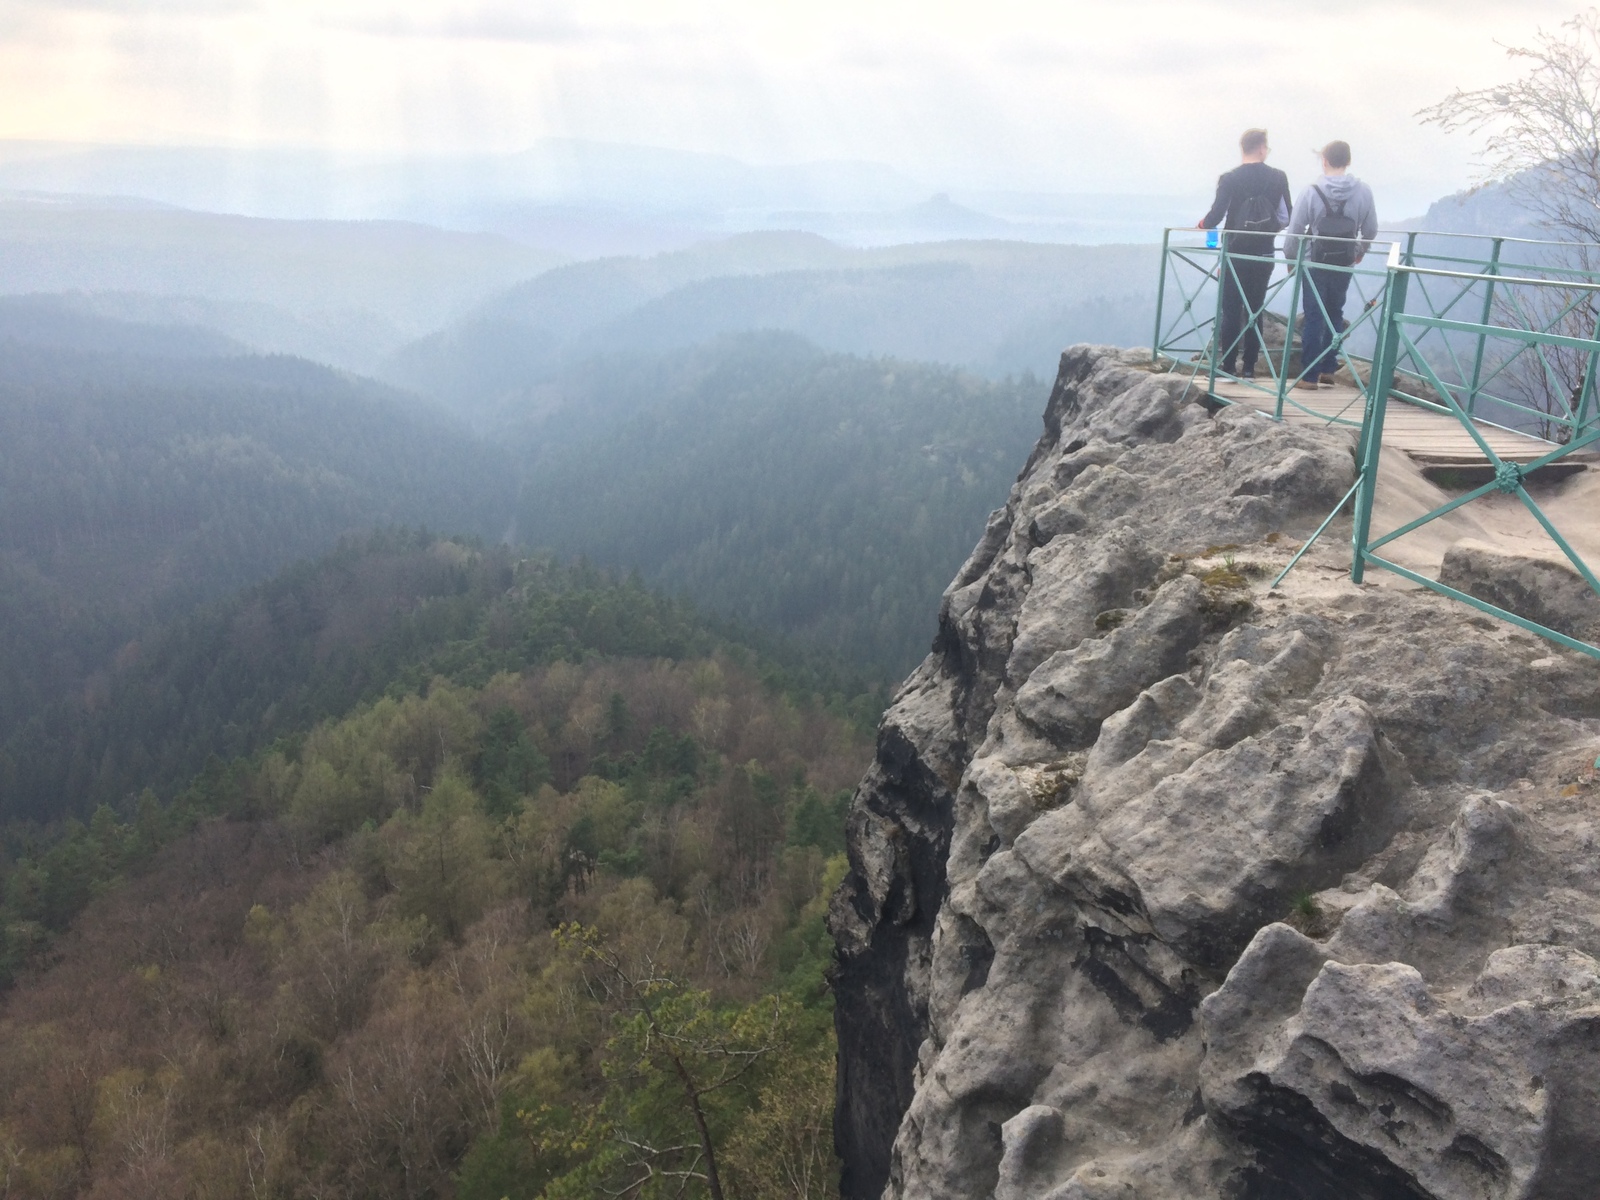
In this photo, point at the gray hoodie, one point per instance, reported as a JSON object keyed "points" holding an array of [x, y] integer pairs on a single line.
{"points": [[1309, 208]]}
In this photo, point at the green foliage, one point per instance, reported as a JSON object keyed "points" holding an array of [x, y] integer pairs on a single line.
{"points": [[693, 1096], [542, 1135], [438, 860], [824, 496], [384, 615], [134, 486], [348, 986], [510, 764], [819, 821]]}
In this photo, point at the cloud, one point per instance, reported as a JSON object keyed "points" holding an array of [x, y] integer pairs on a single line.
{"points": [[497, 24], [146, 8], [1136, 95]]}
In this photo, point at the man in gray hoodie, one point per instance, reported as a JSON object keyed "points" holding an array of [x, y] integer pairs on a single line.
{"points": [[1337, 219]]}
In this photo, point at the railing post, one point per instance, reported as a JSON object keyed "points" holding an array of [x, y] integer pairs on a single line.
{"points": [[1216, 320], [1161, 297], [1371, 445], [1411, 249], [1586, 400], [1288, 332], [1488, 312]]}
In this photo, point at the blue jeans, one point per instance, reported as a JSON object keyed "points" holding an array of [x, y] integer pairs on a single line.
{"points": [[1316, 339]]}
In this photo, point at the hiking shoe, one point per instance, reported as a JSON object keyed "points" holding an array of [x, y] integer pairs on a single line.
{"points": [[1306, 385], [1326, 380], [1249, 372]]}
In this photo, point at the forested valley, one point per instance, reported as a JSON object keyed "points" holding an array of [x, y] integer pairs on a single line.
{"points": [[519, 894], [136, 485], [392, 806], [825, 498]]}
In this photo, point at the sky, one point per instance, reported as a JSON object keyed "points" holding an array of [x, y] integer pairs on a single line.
{"points": [[1136, 96]]}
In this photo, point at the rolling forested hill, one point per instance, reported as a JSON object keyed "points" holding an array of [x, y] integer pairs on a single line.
{"points": [[494, 871], [822, 497], [392, 610], [134, 485], [994, 307], [352, 290], [826, 496]]}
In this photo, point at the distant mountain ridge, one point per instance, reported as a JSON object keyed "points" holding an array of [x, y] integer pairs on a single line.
{"points": [[993, 306], [581, 197], [69, 323], [346, 292], [144, 470], [1494, 209], [313, 184]]}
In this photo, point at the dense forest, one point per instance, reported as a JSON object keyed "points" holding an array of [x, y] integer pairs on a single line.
{"points": [[346, 864], [387, 612], [827, 496], [824, 498], [997, 308], [135, 484], [538, 914]]}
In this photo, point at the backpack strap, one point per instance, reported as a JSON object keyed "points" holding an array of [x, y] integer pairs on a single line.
{"points": [[1327, 204]]}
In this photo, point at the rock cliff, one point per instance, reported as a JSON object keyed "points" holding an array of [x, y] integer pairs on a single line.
{"points": [[1165, 885]]}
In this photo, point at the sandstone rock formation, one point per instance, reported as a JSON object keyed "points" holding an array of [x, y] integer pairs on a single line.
{"points": [[1166, 886], [1545, 589]]}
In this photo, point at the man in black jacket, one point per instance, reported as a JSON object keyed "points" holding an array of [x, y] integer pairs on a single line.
{"points": [[1252, 204]]}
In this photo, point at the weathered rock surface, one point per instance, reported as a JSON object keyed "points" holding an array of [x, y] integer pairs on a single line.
{"points": [[1163, 886], [1544, 588]]}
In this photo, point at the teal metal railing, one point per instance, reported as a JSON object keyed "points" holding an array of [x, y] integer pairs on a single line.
{"points": [[1189, 316], [1470, 285], [1488, 332]]}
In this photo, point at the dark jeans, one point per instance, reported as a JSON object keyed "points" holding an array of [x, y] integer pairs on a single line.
{"points": [[1252, 282], [1316, 339]]}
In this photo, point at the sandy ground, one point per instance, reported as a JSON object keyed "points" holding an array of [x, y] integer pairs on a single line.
{"points": [[1404, 494], [1572, 506]]}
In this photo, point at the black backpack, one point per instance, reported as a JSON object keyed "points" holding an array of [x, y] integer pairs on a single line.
{"points": [[1258, 214], [1334, 224]]}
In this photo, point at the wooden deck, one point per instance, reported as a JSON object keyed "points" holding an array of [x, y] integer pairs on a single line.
{"points": [[1431, 438]]}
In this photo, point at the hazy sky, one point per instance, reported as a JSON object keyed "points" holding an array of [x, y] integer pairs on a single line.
{"points": [[1140, 95]]}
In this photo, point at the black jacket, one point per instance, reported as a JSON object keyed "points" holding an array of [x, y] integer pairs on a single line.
{"points": [[1237, 186]]}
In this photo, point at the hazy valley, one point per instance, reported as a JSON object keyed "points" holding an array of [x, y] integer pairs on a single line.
{"points": [[446, 607]]}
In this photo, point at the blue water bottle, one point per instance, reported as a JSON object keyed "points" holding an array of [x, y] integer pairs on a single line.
{"points": [[1211, 239]]}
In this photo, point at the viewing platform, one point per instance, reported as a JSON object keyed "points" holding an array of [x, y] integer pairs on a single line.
{"points": [[1431, 439], [1473, 357]]}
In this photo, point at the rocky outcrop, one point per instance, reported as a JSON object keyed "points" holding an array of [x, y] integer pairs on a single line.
{"points": [[1545, 588], [1165, 885]]}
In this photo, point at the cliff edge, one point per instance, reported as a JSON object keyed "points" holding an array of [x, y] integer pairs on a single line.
{"points": [[1164, 885]]}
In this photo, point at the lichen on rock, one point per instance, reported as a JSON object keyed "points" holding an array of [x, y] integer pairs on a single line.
{"points": [[1161, 887]]}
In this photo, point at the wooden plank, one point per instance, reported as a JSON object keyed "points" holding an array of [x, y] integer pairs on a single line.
{"points": [[1416, 431]]}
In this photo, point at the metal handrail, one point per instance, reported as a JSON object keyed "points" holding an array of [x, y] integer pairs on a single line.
{"points": [[1282, 378], [1414, 360], [1499, 237], [1472, 369]]}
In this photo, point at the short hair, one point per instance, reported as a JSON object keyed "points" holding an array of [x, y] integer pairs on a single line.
{"points": [[1252, 140], [1337, 154]]}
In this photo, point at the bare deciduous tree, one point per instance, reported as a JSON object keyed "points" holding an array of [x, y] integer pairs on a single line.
{"points": [[1544, 128], [1543, 142]]}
